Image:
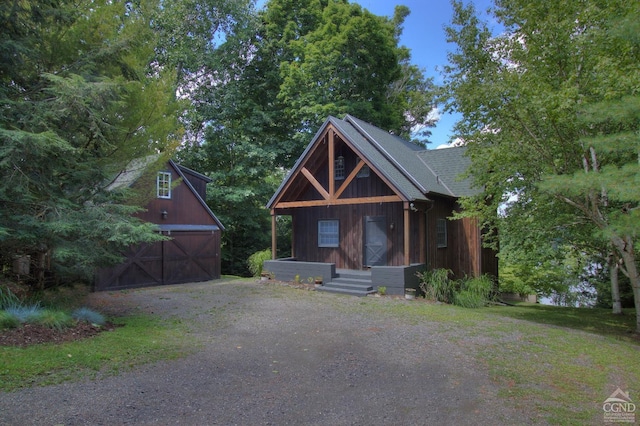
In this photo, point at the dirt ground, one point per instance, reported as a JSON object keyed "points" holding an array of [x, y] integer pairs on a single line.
{"points": [[268, 354]]}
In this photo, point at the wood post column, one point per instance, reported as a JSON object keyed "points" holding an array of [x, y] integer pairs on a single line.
{"points": [[274, 235], [407, 234]]}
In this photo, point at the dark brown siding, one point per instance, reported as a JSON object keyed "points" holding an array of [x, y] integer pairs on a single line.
{"points": [[183, 208], [350, 253], [191, 254], [464, 253], [187, 257]]}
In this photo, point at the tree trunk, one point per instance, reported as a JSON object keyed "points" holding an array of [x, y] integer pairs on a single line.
{"points": [[41, 263], [614, 269], [625, 248]]}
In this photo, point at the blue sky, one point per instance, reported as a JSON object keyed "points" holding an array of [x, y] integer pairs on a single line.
{"points": [[424, 35]]}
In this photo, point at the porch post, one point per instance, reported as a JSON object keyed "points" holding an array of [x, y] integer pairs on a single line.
{"points": [[407, 233], [274, 235], [332, 157]]}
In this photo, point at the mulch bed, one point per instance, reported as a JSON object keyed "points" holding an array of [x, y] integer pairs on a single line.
{"points": [[33, 334]]}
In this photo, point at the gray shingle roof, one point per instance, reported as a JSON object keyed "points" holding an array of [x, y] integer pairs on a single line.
{"points": [[414, 171], [430, 171]]}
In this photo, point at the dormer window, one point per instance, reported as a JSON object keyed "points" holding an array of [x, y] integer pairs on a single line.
{"points": [[338, 168], [163, 185]]}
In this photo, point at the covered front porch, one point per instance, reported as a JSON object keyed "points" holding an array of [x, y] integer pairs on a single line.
{"points": [[354, 282]]}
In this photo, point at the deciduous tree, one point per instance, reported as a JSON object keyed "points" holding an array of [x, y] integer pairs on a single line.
{"points": [[550, 108]]}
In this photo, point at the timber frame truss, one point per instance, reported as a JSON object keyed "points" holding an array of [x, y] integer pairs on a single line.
{"points": [[332, 196]]}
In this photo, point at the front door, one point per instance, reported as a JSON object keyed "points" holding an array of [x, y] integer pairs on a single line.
{"points": [[375, 241]]}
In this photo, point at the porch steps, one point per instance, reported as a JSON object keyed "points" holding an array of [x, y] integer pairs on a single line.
{"points": [[354, 283]]}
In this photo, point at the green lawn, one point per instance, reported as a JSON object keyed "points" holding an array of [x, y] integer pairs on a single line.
{"points": [[136, 340], [561, 362]]}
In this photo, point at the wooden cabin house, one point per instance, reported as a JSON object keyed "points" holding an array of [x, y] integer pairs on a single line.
{"points": [[179, 210], [370, 209]]}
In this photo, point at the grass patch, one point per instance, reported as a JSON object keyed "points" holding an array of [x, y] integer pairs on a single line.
{"points": [[560, 363], [53, 319], [593, 320], [137, 340], [8, 320]]}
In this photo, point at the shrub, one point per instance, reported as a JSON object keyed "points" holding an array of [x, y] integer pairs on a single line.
{"points": [[53, 319], [7, 320], [256, 261], [382, 290], [437, 285], [24, 313], [88, 315], [474, 292], [8, 299]]}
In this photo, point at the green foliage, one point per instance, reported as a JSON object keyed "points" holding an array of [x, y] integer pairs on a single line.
{"points": [[382, 290], [8, 320], [52, 318], [8, 299], [82, 93], [437, 285], [510, 282], [551, 117], [474, 292], [88, 315], [256, 261]]}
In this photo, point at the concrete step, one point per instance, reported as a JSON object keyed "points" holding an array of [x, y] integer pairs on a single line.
{"points": [[354, 283], [354, 291]]}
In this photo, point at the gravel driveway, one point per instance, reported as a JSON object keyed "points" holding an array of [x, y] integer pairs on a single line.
{"points": [[276, 355]]}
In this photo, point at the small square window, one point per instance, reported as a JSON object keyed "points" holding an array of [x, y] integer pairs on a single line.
{"points": [[163, 186], [328, 233], [441, 233]]}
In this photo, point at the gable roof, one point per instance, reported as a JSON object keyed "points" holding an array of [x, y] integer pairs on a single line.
{"points": [[415, 172], [134, 170]]}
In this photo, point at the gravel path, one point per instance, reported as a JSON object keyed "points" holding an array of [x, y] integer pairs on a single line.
{"points": [[274, 355]]}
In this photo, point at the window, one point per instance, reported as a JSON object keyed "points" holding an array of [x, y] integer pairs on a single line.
{"points": [[328, 233], [441, 232], [163, 186], [364, 171], [338, 168]]}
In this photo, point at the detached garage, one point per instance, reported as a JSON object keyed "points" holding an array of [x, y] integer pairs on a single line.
{"points": [[179, 210]]}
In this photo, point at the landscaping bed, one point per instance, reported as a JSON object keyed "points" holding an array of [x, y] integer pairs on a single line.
{"points": [[32, 334]]}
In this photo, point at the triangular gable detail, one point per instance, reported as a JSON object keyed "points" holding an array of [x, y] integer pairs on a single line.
{"points": [[411, 172], [331, 196]]}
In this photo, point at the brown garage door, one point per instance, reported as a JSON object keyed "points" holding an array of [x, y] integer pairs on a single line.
{"points": [[187, 257]]}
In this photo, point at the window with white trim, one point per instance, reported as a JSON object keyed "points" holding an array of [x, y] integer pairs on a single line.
{"points": [[163, 185], [328, 233], [441, 233]]}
